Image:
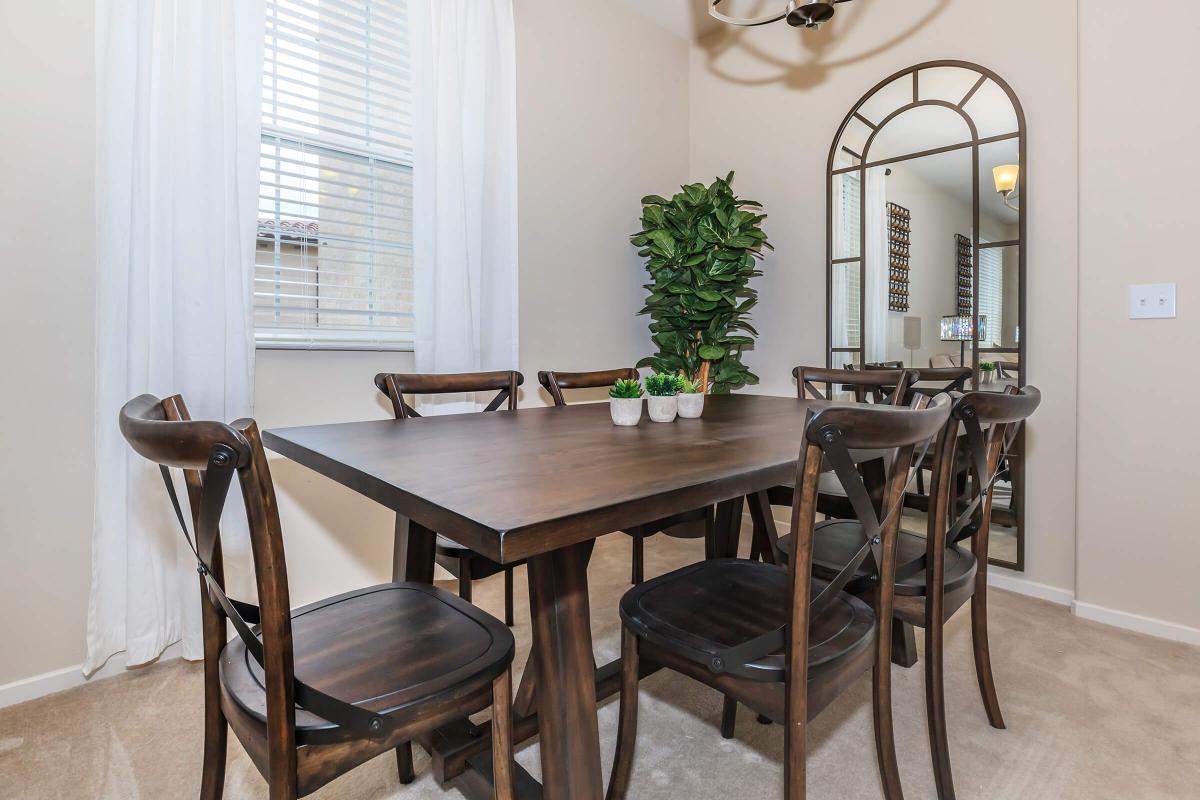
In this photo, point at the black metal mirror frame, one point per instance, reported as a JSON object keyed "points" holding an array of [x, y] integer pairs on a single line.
{"points": [[974, 143]]}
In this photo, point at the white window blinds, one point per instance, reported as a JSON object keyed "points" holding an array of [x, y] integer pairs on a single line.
{"points": [[851, 215], [991, 294], [334, 259]]}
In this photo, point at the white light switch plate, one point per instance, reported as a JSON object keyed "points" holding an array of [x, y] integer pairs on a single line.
{"points": [[1152, 301]]}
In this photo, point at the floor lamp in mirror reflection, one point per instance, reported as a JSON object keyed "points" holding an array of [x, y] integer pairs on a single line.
{"points": [[912, 337]]}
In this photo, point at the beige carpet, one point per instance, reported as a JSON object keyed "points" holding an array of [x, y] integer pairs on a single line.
{"points": [[1092, 712]]}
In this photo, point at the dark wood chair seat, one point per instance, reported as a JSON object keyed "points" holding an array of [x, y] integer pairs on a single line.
{"points": [[704, 609], [835, 541], [314, 692], [391, 649], [778, 639]]}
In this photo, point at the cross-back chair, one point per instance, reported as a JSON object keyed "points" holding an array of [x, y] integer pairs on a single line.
{"points": [[938, 572], [874, 385], [314, 692], [688, 525], [936, 379], [461, 562], [776, 638], [880, 387], [932, 381]]}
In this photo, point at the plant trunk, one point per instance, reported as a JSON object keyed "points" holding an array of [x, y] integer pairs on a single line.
{"points": [[703, 377]]}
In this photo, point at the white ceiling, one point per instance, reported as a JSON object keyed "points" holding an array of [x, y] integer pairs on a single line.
{"points": [[688, 19]]}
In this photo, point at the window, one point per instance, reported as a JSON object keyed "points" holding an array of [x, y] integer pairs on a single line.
{"points": [[991, 294], [333, 266], [847, 275]]}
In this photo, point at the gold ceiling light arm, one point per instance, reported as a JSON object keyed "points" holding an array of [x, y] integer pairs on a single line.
{"points": [[799, 14]]}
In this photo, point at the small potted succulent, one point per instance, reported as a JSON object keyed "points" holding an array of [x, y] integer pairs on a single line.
{"points": [[691, 398], [625, 402], [663, 389], [987, 371]]}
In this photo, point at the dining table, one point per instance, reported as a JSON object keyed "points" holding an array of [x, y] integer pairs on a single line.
{"points": [[540, 485]]}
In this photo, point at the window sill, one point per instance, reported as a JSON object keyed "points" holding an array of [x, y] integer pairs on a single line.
{"points": [[302, 339], [381, 347]]}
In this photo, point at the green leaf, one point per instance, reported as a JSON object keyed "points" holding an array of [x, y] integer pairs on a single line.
{"points": [[741, 240], [711, 352], [654, 200], [708, 294]]}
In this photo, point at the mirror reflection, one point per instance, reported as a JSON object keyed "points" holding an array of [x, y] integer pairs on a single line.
{"points": [[926, 253]]}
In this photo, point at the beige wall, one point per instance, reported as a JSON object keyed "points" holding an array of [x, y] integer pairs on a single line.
{"points": [[602, 122], [1139, 542], [592, 142], [46, 219], [767, 101]]}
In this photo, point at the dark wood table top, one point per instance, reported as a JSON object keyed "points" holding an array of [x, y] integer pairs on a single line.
{"points": [[511, 484]]}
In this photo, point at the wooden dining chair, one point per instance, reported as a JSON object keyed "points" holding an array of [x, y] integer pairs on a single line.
{"points": [[932, 381], [313, 692], [461, 562], [688, 525], [777, 639], [937, 573], [936, 380], [878, 387], [881, 387]]}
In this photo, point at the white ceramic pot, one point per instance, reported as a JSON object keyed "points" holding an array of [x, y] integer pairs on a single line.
{"points": [[626, 411], [663, 409], [987, 375], [691, 406]]}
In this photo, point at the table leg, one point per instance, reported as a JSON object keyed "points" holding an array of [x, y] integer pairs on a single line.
{"points": [[566, 681], [721, 540], [412, 551]]}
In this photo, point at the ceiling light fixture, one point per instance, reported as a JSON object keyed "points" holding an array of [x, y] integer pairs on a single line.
{"points": [[799, 14]]}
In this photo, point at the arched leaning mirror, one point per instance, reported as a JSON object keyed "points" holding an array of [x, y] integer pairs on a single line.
{"points": [[926, 242]]}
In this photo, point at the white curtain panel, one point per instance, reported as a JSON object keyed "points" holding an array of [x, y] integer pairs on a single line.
{"points": [[178, 102], [875, 311], [465, 189]]}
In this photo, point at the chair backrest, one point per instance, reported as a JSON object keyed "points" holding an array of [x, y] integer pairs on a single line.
{"points": [[982, 428], [880, 386], [556, 382], [210, 453], [942, 361], [395, 385], [947, 379], [885, 432]]}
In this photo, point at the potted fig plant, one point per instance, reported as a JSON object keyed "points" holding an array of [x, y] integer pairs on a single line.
{"points": [[625, 402], [702, 248], [663, 389], [987, 371], [691, 398]]}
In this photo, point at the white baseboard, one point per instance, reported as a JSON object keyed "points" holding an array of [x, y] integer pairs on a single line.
{"points": [[1136, 622], [60, 680], [1013, 582]]}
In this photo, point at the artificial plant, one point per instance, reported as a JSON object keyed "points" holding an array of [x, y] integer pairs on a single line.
{"points": [[663, 384], [626, 389], [701, 249]]}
